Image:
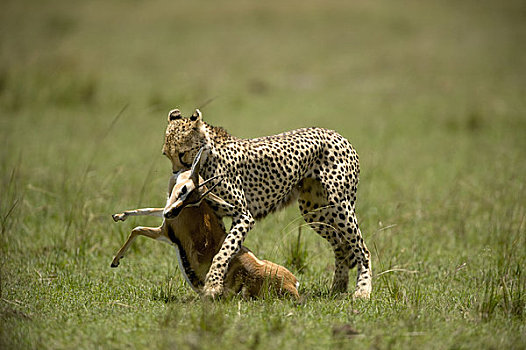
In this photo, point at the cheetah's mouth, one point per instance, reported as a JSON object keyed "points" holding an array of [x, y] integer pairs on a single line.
{"points": [[181, 155]]}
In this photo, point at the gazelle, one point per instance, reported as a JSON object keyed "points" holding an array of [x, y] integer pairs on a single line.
{"points": [[191, 226]]}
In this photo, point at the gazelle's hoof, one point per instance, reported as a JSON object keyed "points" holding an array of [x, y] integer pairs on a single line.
{"points": [[119, 217], [114, 263]]}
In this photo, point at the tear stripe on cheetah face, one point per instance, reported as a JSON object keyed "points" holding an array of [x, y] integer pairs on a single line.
{"points": [[263, 174]]}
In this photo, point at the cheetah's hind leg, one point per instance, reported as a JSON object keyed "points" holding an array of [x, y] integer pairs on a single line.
{"points": [[318, 213], [336, 222]]}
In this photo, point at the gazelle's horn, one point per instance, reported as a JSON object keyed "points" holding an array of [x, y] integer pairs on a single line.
{"points": [[207, 181], [194, 175], [213, 186], [212, 197], [216, 199]]}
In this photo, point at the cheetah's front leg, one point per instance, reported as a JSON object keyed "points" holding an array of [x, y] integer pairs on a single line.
{"points": [[241, 224]]}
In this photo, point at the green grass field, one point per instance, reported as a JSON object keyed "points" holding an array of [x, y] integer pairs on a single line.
{"points": [[431, 94]]}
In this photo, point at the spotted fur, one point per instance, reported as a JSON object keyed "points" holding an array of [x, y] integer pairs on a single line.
{"points": [[318, 167]]}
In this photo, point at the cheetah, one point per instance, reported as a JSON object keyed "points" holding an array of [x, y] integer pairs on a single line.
{"points": [[317, 167]]}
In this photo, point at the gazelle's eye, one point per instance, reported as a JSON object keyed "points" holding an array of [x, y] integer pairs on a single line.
{"points": [[183, 190]]}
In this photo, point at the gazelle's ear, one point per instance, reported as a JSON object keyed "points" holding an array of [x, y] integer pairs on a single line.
{"points": [[197, 116], [218, 200], [174, 114], [196, 165]]}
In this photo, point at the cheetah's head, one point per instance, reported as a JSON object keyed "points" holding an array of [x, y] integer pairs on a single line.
{"points": [[184, 137]]}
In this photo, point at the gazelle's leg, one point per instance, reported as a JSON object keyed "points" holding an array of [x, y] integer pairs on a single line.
{"points": [[147, 211], [151, 232], [138, 212]]}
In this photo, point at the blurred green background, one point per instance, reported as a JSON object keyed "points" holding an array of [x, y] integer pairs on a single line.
{"points": [[430, 93]]}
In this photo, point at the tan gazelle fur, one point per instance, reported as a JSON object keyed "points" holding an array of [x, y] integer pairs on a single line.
{"points": [[197, 233]]}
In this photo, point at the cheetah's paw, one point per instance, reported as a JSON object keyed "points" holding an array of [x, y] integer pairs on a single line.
{"points": [[362, 294], [212, 292]]}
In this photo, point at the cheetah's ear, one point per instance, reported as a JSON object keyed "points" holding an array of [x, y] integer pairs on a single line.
{"points": [[174, 114], [197, 116]]}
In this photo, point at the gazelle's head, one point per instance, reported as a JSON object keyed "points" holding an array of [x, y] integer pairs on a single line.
{"points": [[190, 190]]}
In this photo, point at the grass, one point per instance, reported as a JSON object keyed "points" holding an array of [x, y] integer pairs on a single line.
{"points": [[430, 93]]}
